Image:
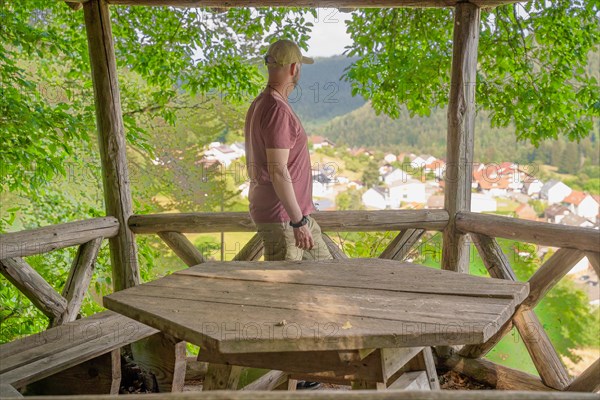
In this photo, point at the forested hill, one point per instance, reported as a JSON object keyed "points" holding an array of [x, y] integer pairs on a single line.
{"points": [[321, 94], [427, 135], [331, 111]]}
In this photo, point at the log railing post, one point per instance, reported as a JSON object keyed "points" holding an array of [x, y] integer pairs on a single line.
{"points": [[111, 138], [461, 117]]}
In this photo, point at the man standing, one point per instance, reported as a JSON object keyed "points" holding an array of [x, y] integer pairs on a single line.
{"points": [[279, 165]]}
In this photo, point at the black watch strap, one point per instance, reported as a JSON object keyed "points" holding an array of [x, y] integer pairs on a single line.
{"points": [[302, 222]]}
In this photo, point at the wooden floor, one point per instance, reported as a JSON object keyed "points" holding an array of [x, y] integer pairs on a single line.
{"points": [[347, 395]]}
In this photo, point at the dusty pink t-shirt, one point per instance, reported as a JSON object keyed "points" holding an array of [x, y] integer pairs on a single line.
{"points": [[272, 124]]}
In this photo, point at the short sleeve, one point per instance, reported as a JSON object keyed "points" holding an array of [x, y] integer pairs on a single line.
{"points": [[279, 128]]}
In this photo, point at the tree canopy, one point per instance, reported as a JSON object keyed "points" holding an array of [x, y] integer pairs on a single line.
{"points": [[531, 71]]}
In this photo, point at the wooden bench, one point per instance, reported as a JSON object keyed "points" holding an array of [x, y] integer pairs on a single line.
{"points": [[93, 341]]}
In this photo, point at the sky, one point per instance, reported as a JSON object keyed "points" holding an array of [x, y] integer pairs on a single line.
{"points": [[328, 35]]}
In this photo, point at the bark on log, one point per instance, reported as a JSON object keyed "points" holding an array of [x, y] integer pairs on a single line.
{"points": [[79, 279], [586, 239], [53, 237], [111, 139], [182, 247], [32, 285], [460, 137], [329, 221]]}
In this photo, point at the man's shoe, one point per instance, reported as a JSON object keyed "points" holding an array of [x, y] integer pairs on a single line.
{"points": [[304, 385]]}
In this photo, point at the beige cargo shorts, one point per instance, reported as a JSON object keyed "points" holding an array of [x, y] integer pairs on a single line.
{"points": [[280, 244]]}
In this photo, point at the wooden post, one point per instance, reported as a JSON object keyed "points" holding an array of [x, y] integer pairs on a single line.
{"points": [[111, 138], [117, 195], [461, 117]]}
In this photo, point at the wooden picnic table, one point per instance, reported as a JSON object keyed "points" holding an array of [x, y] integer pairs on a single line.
{"points": [[322, 318]]}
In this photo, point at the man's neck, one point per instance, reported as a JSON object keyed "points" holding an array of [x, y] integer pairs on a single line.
{"points": [[282, 89]]}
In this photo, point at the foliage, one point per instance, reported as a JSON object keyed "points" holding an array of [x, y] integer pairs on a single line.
{"points": [[531, 66], [370, 175], [349, 200], [46, 94]]}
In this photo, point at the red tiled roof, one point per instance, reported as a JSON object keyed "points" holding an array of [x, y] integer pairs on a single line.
{"points": [[575, 197]]}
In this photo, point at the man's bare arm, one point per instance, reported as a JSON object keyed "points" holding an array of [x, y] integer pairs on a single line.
{"points": [[277, 160], [282, 183]]}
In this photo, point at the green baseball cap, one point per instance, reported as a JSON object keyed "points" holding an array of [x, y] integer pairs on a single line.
{"points": [[283, 52]]}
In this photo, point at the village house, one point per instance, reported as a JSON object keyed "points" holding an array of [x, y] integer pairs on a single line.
{"points": [[375, 198], [421, 161], [575, 220], [319, 142], [555, 213], [554, 191], [436, 201], [409, 191], [389, 158], [525, 211], [532, 186], [482, 202], [224, 154], [437, 167], [582, 204], [397, 175], [486, 179]]}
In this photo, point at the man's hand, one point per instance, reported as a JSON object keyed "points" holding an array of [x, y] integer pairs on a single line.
{"points": [[304, 239]]}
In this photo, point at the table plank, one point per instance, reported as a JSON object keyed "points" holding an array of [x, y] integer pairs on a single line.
{"points": [[368, 273], [244, 307], [238, 329], [343, 301]]}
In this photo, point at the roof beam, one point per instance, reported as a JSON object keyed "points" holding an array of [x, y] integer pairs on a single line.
{"points": [[307, 3]]}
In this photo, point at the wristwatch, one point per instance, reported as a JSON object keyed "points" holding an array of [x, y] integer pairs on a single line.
{"points": [[302, 222]]}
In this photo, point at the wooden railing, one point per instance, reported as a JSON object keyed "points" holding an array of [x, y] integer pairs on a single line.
{"points": [[88, 235], [574, 243]]}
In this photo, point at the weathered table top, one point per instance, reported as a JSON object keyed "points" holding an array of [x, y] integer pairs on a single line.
{"points": [[251, 306]]}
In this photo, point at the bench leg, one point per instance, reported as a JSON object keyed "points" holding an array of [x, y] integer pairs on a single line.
{"points": [[405, 367], [162, 357], [288, 384], [222, 377]]}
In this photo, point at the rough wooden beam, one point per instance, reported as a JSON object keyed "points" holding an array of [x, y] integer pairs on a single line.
{"points": [[34, 286], [79, 279], [460, 137], [399, 248], [550, 273], [331, 221], [311, 3], [252, 251], [53, 237], [268, 381], [416, 380], [111, 138], [334, 249], [594, 258], [542, 352], [182, 247], [588, 381], [493, 257], [498, 376], [545, 233]]}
